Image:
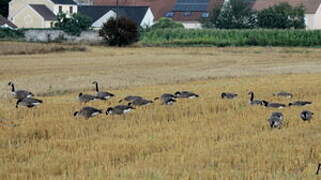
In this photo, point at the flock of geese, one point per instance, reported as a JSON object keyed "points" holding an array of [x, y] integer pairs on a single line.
{"points": [[27, 99]]}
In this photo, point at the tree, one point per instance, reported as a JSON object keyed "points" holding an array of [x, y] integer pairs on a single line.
{"points": [[119, 31], [236, 14], [209, 22], [166, 23], [74, 24], [4, 7], [282, 16]]}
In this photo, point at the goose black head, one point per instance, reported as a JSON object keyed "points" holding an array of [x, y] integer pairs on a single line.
{"points": [[94, 82], [10, 83], [223, 95], [250, 93], [76, 113], [129, 104], [265, 103], [177, 93], [80, 94], [290, 104], [109, 110], [156, 98]]}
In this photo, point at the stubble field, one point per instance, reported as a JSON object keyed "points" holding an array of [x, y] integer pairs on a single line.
{"points": [[204, 138]]}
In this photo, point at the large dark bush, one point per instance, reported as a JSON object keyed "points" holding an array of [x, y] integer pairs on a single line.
{"points": [[282, 16], [119, 31], [74, 24]]}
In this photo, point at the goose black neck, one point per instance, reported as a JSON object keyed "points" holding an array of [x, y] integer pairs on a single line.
{"points": [[97, 90], [251, 96], [12, 87], [318, 170]]}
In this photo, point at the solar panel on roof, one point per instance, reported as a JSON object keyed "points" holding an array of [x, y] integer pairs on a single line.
{"points": [[191, 5]]}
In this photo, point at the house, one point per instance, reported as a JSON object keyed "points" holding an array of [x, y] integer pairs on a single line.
{"points": [[312, 9], [5, 23], [158, 7], [141, 15], [39, 13], [189, 12]]}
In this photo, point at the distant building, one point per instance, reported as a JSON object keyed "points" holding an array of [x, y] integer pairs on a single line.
{"points": [[141, 15], [5, 23], [39, 13], [312, 9], [187, 12]]}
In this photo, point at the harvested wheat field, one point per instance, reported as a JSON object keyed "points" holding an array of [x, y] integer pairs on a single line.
{"points": [[202, 138]]}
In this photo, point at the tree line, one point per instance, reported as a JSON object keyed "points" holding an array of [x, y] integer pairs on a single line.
{"points": [[238, 14]]}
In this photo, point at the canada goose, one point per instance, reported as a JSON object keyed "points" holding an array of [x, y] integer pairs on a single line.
{"points": [[186, 94], [252, 101], [101, 94], [276, 120], [283, 94], [306, 115], [85, 97], [28, 102], [130, 98], [226, 95], [165, 96], [273, 105], [119, 110], [300, 103], [88, 112], [19, 94], [140, 102], [167, 99]]}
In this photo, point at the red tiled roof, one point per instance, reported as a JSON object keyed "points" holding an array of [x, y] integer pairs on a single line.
{"points": [[311, 6]]}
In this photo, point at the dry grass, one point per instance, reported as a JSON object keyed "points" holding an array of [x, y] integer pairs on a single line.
{"points": [[205, 138], [16, 48]]}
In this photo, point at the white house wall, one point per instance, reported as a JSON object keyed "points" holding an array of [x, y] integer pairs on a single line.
{"points": [[148, 19], [192, 25], [317, 19], [65, 8], [309, 21], [99, 23]]}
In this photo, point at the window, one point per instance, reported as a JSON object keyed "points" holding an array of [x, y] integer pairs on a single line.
{"points": [[169, 14], [60, 9], [187, 13], [71, 10], [51, 24], [205, 14]]}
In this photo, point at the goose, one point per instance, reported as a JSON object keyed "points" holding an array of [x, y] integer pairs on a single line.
{"points": [[276, 120], [85, 97], [130, 98], [167, 99], [283, 94], [306, 115], [273, 105], [226, 95], [300, 103], [19, 94], [88, 112], [186, 94], [28, 102], [101, 94], [165, 96], [119, 110], [140, 102], [252, 101]]}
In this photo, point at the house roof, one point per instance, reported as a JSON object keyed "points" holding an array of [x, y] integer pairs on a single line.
{"points": [[4, 21], [135, 13], [158, 7], [191, 5], [63, 2], [195, 7], [43, 11], [311, 6]]}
